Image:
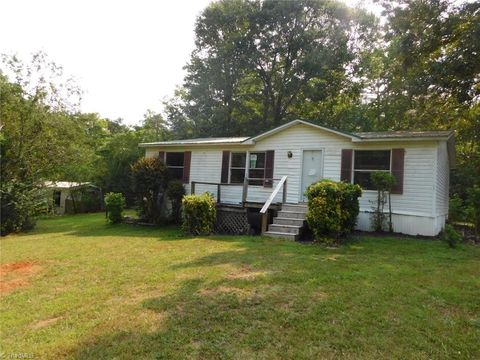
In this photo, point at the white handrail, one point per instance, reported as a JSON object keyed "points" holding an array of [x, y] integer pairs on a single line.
{"points": [[273, 194]]}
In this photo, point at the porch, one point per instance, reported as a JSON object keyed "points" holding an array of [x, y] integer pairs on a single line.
{"points": [[238, 214]]}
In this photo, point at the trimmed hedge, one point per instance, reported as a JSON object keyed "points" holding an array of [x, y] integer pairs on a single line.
{"points": [[114, 205], [199, 214], [332, 209]]}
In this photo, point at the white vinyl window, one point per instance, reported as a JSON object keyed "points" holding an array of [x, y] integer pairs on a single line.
{"points": [[367, 161]]}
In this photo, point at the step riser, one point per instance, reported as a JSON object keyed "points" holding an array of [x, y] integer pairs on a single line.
{"points": [[292, 215], [297, 222], [280, 228], [291, 237]]}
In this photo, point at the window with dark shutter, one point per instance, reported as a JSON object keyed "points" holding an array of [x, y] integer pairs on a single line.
{"points": [[225, 166], [256, 168], [365, 162], [161, 155], [269, 158], [237, 167], [398, 163], [346, 165], [187, 159], [175, 163]]}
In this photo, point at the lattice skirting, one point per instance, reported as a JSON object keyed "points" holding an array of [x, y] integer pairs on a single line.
{"points": [[232, 221]]}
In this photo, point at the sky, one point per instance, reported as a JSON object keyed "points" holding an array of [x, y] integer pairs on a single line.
{"points": [[127, 56]]}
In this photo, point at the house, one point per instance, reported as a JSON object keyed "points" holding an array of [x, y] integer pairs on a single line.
{"points": [[69, 197], [246, 170]]}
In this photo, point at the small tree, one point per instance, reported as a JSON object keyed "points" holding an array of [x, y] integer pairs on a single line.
{"points": [[150, 178], [114, 205], [383, 182], [175, 192]]}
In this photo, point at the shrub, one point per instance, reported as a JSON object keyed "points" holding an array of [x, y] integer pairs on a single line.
{"points": [[21, 203], [474, 206], [200, 213], [383, 182], [114, 205], [451, 236], [456, 209], [175, 192], [332, 209], [150, 178]]}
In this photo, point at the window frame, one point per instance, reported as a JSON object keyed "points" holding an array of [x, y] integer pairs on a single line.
{"points": [[247, 156], [370, 170], [262, 179], [175, 166]]}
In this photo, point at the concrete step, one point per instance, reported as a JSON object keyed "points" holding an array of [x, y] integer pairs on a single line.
{"points": [[288, 221], [291, 229], [291, 214], [281, 235], [295, 208]]}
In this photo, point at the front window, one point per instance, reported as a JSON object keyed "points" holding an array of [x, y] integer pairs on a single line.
{"points": [[366, 162], [256, 169], [237, 167], [174, 162]]}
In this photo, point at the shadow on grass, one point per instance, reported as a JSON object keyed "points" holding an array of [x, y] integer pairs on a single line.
{"points": [[275, 299], [248, 309]]}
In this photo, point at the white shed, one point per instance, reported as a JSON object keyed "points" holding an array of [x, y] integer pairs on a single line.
{"points": [[306, 153], [61, 193]]}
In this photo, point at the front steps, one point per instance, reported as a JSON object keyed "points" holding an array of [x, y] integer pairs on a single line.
{"points": [[289, 222]]}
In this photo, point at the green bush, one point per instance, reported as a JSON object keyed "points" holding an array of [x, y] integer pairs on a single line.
{"points": [[451, 236], [21, 204], [114, 205], [175, 192], [474, 205], [199, 214], [332, 209], [150, 179], [456, 209]]}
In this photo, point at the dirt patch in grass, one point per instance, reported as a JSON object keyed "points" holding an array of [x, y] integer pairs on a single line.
{"points": [[16, 275], [244, 273], [44, 323]]}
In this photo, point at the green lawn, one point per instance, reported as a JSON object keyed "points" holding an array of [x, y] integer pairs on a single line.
{"points": [[97, 291]]}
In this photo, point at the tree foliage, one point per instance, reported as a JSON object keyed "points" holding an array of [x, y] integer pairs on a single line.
{"points": [[150, 180], [258, 64]]}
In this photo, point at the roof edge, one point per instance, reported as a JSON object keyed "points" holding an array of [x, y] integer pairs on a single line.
{"points": [[273, 131]]}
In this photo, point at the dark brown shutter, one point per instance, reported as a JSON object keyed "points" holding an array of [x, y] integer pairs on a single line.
{"points": [[187, 159], [269, 159], [161, 155], [398, 162], [346, 165], [225, 166]]}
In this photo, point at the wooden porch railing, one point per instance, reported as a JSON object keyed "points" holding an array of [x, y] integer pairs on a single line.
{"points": [[264, 210], [218, 185]]}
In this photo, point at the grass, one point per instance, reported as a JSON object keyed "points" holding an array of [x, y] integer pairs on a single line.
{"points": [[101, 291]]}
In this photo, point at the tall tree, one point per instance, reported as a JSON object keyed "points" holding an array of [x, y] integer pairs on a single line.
{"points": [[257, 64]]}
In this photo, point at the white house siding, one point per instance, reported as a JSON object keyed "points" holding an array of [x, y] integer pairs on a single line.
{"points": [[442, 183], [414, 210]]}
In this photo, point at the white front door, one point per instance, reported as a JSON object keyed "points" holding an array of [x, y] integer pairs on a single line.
{"points": [[312, 170]]}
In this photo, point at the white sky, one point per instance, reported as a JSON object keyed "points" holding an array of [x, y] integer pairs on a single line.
{"points": [[127, 56]]}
